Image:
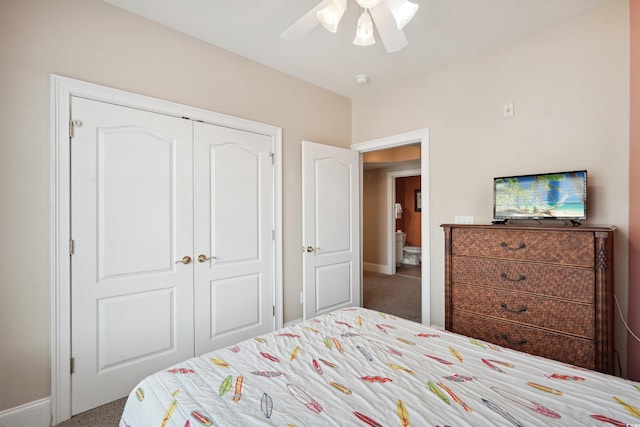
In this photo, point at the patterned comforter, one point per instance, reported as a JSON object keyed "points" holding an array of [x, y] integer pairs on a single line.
{"points": [[357, 367]]}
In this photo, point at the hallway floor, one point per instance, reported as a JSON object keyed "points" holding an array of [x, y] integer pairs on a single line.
{"points": [[393, 294], [409, 270]]}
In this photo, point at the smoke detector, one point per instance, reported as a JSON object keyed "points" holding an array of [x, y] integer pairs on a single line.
{"points": [[362, 79]]}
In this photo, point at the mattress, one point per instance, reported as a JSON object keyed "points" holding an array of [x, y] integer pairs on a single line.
{"points": [[358, 367]]}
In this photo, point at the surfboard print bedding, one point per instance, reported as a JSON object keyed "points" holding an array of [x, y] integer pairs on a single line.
{"points": [[358, 367]]}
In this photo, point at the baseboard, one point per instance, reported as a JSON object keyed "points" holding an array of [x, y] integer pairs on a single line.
{"points": [[32, 414], [376, 268]]}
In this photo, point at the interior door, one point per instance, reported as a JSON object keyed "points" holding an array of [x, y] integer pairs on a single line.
{"points": [[131, 225], [234, 246], [331, 228]]}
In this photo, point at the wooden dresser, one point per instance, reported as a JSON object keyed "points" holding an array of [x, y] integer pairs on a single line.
{"points": [[547, 291]]}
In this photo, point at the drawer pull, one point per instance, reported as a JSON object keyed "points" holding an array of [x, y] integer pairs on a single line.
{"points": [[519, 279], [506, 246], [510, 310], [506, 338]]}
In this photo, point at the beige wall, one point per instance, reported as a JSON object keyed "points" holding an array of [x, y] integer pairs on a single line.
{"points": [[374, 224], [570, 88], [92, 41]]}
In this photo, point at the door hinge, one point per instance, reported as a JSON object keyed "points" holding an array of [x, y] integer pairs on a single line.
{"points": [[273, 310], [72, 365], [72, 125], [273, 234], [72, 247], [273, 157]]}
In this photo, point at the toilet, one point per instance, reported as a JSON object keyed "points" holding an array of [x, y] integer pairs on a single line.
{"points": [[411, 255]]}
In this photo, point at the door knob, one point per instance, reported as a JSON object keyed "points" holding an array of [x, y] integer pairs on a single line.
{"points": [[311, 249], [185, 260], [203, 258]]}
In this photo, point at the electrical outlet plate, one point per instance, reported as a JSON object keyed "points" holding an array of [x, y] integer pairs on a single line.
{"points": [[463, 219], [508, 110]]}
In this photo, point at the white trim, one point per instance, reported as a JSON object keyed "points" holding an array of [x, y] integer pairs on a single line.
{"points": [[413, 137], [62, 89], [391, 197], [60, 263], [418, 136], [278, 272], [32, 414], [376, 268]]}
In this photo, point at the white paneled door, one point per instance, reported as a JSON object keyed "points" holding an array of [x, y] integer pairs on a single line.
{"points": [[153, 280], [234, 238], [131, 221], [331, 228]]}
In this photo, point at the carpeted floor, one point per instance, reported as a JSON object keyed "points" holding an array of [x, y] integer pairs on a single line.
{"points": [[409, 270], [399, 295], [103, 416]]}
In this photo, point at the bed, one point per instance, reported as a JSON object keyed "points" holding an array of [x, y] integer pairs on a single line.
{"points": [[358, 367]]}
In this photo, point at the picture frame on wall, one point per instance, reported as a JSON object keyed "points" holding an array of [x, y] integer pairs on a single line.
{"points": [[417, 200]]}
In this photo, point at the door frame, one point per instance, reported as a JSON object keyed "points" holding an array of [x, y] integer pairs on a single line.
{"points": [[62, 89], [418, 136], [391, 197]]}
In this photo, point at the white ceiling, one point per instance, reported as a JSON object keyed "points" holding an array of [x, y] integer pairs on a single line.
{"points": [[441, 31]]}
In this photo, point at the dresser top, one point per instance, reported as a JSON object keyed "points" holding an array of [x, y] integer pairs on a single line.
{"points": [[535, 227]]}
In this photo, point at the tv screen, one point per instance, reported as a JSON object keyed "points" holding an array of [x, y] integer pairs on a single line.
{"points": [[560, 195]]}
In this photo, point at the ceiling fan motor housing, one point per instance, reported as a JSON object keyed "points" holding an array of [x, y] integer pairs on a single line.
{"points": [[368, 4]]}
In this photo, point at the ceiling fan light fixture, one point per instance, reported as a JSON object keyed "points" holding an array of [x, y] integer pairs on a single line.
{"points": [[330, 16], [402, 11], [364, 33], [367, 4]]}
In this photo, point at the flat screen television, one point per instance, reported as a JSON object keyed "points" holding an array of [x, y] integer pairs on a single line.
{"points": [[561, 195]]}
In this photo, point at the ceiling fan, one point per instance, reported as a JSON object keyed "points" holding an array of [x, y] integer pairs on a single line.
{"points": [[390, 16]]}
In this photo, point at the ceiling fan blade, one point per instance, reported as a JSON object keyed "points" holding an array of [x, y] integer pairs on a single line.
{"points": [[305, 24], [392, 37]]}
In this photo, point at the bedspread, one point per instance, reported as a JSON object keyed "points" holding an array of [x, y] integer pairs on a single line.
{"points": [[358, 367]]}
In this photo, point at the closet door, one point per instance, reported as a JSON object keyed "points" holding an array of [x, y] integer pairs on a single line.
{"points": [[233, 240], [131, 226]]}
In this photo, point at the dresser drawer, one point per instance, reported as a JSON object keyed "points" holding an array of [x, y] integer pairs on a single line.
{"points": [[549, 313], [572, 350], [573, 283], [556, 247]]}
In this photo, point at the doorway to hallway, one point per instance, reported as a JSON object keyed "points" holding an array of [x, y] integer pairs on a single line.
{"points": [[379, 220]]}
